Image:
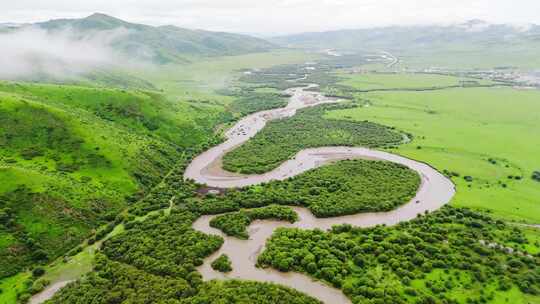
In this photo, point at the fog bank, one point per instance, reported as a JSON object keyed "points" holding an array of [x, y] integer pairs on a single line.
{"points": [[31, 52]]}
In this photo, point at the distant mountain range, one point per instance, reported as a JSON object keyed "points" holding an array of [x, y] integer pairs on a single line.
{"points": [[161, 44], [171, 44], [474, 32]]}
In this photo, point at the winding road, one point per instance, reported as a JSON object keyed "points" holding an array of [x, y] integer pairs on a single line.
{"points": [[434, 192]]}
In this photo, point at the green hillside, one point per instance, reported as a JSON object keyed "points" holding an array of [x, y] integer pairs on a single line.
{"points": [[162, 44], [73, 157]]}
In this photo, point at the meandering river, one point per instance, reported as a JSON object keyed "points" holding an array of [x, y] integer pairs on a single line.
{"points": [[434, 192]]}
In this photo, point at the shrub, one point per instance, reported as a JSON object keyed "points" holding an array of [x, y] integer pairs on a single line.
{"points": [[31, 152], [222, 264], [38, 271]]}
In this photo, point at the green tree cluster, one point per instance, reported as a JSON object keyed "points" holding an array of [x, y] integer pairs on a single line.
{"points": [[235, 224], [222, 264], [342, 188]]}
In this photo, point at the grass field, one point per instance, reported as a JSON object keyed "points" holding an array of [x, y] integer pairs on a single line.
{"points": [[521, 55], [489, 134], [402, 81]]}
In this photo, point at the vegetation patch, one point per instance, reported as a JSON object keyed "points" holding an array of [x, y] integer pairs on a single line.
{"points": [[342, 188], [249, 101], [282, 139], [163, 245], [453, 255], [235, 224], [113, 282], [222, 264]]}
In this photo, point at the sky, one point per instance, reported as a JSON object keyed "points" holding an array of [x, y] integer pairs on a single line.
{"points": [[276, 17]]}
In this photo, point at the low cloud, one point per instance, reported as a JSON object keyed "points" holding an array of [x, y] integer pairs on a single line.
{"points": [[30, 53]]}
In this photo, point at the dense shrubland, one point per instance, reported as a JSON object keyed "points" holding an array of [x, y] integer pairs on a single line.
{"points": [[282, 139], [279, 77], [432, 259], [346, 187], [113, 282], [163, 245], [235, 224]]}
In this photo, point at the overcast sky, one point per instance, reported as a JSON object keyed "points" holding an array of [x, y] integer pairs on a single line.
{"points": [[278, 16]]}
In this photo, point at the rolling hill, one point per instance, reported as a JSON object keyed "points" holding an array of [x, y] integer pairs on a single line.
{"points": [[72, 157], [399, 37], [162, 44]]}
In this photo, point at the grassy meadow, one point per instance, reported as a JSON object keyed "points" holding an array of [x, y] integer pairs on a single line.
{"points": [[486, 135], [403, 81]]}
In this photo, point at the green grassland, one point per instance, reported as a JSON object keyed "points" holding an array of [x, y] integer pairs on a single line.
{"points": [[465, 56], [487, 134], [403, 81], [72, 157]]}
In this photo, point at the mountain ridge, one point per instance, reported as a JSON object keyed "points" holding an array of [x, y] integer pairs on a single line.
{"points": [[474, 31], [159, 44]]}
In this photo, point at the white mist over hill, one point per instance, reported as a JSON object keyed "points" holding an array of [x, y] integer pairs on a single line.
{"points": [[30, 52]]}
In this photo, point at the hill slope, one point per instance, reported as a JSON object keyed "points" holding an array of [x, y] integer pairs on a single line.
{"points": [[72, 157], [160, 44]]}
